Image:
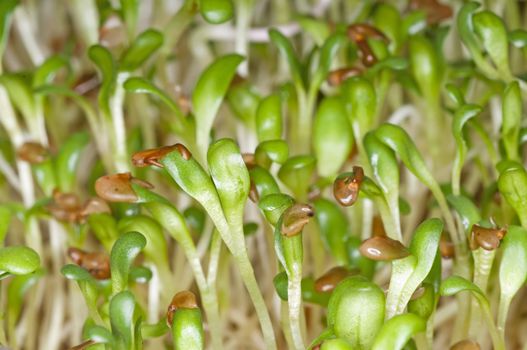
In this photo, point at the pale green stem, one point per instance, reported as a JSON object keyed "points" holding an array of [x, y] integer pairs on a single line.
{"points": [[119, 126], [483, 260], [294, 302], [243, 21], [494, 334], [247, 274], [232, 235], [503, 310]]}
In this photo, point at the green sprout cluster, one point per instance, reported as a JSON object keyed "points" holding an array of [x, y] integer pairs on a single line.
{"points": [[241, 174]]}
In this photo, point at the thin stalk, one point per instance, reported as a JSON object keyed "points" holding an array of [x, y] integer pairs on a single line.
{"points": [[294, 303], [249, 280], [497, 341], [119, 126], [503, 310], [483, 260], [243, 21]]}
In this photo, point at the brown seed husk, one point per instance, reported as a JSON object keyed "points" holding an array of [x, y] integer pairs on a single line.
{"points": [[182, 300], [446, 247], [329, 280], [383, 249], [346, 188], [32, 152], [295, 218], [338, 76], [117, 187], [486, 238]]}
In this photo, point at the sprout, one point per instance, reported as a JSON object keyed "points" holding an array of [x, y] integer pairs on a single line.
{"points": [[295, 218], [97, 264], [486, 238], [383, 248], [118, 187], [153, 156], [32, 152], [346, 186], [329, 280]]}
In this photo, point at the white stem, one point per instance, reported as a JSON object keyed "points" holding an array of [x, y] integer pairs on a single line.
{"points": [[25, 29], [119, 126], [9, 173]]}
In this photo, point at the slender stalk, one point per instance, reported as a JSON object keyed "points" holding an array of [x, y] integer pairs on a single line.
{"points": [[247, 274], [119, 126], [294, 302]]}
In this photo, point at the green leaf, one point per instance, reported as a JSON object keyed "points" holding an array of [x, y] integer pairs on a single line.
{"points": [[467, 211], [130, 13], [333, 226], [156, 247], [123, 253], [244, 101], [140, 274], [336, 344], [104, 227], [122, 307], [512, 184], [318, 29], [512, 115], [387, 18], [356, 311], [455, 95], [141, 49], [76, 273], [269, 118], [270, 151], [310, 295], [5, 221], [397, 331], [68, 160], [288, 52], [216, 11], [332, 136], [104, 61], [400, 142], [230, 176], [16, 290], [6, 9], [424, 305], [280, 285], [18, 260], [264, 181], [513, 266], [363, 103], [518, 38], [100, 335], [328, 51], [187, 329], [455, 284], [208, 95], [140, 85], [20, 92], [46, 71], [296, 174], [274, 205], [386, 172], [462, 116], [493, 34], [410, 272], [426, 67]]}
